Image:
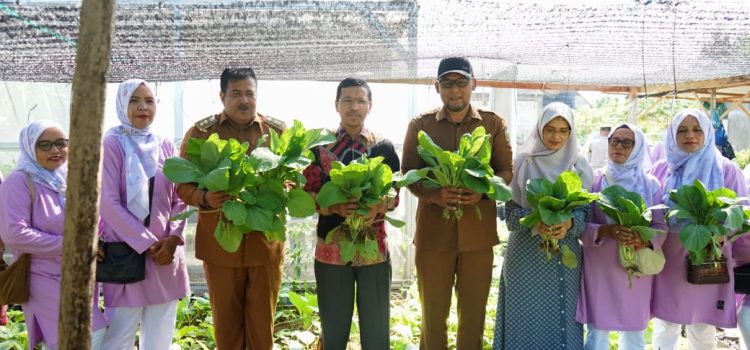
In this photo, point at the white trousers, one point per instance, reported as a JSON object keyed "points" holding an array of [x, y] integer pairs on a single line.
{"points": [[700, 336], [96, 340], [598, 339], [743, 323], [157, 327]]}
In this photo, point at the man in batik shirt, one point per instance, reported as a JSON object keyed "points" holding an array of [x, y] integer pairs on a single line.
{"points": [[336, 280]]}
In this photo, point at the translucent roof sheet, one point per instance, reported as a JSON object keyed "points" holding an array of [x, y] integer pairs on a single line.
{"points": [[609, 43]]}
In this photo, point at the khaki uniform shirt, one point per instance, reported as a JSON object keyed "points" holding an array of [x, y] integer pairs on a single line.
{"points": [[254, 250], [470, 233]]}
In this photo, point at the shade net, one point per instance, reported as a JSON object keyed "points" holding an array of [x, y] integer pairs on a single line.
{"points": [[607, 43]]}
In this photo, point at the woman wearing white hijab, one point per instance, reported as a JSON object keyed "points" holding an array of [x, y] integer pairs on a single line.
{"points": [[35, 226], [537, 303], [691, 155], [137, 201], [610, 300]]}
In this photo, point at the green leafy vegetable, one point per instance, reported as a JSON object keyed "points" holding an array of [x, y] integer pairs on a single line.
{"points": [[468, 167], [263, 185], [368, 183], [552, 204], [629, 209], [710, 217]]}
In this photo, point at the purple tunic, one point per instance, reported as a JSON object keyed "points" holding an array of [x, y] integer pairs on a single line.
{"points": [[741, 251], [674, 299], [605, 299], [42, 237], [163, 283]]}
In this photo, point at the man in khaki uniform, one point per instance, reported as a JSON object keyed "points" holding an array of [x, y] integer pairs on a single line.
{"points": [[455, 254], [243, 286]]}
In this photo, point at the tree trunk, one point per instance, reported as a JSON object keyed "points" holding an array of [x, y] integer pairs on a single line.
{"points": [[82, 204]]}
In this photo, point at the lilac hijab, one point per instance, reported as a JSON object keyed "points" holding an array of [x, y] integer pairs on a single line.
{"points": [[631, 175], [684, 167], [141, 149], [55, 180], [534, 160]]}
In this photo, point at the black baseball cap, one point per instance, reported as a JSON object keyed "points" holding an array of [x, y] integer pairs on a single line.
{"points": [[458, 65]]}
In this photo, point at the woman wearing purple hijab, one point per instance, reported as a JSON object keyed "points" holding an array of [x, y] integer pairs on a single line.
{"points": [[691, 155], [35, 226], [609, 299], [137, 202]]}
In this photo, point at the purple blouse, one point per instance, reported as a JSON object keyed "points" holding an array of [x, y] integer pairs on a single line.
{"points": [[163, 283], [674, 299], [41, 235], [605, 300]]}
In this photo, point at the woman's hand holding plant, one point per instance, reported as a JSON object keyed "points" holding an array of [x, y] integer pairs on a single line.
{"points": [[557, 231]]}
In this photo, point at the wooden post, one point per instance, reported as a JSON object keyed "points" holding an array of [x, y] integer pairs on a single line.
{"points": [[633, 98], [82, 204]]}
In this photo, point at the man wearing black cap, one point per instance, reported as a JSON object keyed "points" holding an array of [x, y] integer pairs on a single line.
{"points": [[452, 254]]}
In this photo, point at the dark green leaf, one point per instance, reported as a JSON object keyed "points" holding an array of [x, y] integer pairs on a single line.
{"points": [[695, 237], [394, 222], [179, 170], [259, 219], [331, 194], [248, 197], [568, 257], [300, 204], [299, 162], [235, 212], [479, 185], [184, 215], [318, 137], [271, 200], [215, 181], [410, 177], [551, 203], [499, 191], [347, 250], [194, 148], [263, 159], [228, 236], [210, 150], [735, 218], [532, 219], [646, 233], [369, 250], [429, 146]]}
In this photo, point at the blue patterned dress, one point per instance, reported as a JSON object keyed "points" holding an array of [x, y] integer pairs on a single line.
{"points": [[536, 306]]}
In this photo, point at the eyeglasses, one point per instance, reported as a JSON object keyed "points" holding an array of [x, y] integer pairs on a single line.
{"points": [[548, 130], [449, 83], [47, 145], [625, 143]]}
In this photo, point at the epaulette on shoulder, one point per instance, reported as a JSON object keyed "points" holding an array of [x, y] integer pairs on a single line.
{"points": [[486, 111], [433, 113], [274, 123], [206, 123]]}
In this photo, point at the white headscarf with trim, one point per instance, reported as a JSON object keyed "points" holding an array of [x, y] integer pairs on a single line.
{"points": [[141, 151]]}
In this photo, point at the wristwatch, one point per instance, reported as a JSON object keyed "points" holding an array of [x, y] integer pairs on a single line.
{"points": [[203, 204]]}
